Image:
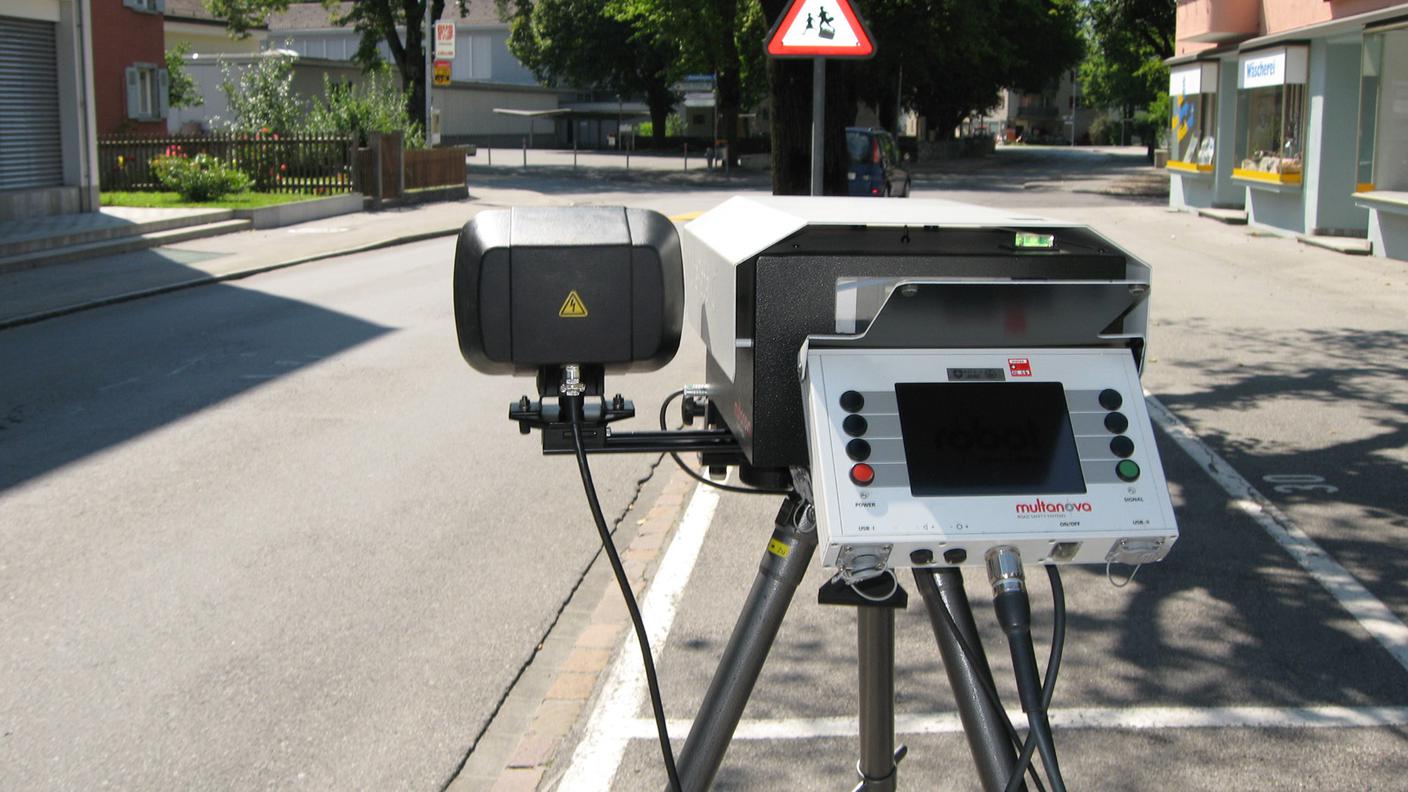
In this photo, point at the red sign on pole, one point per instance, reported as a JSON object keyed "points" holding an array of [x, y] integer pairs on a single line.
{"points": [[820, 29]]}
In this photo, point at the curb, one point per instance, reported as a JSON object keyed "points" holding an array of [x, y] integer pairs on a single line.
{"points": [[54, 313], [576, 679]]}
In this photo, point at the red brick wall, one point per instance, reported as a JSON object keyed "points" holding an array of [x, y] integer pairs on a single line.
{"points": [[121, 37]]}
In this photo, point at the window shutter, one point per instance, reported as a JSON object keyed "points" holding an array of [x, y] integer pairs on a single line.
{"points": [[159, 6], [163, 93], [134, 93]]}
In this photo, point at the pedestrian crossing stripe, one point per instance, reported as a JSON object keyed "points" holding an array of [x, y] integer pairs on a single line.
{"points": [[573, 307]]}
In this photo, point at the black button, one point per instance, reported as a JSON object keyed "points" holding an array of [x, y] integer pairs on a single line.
{"points": [[1116, 423], [1111, 399], [1122, 446], [851, 401], [855, 425], [859, 450], [955, 556], [921, 557]]}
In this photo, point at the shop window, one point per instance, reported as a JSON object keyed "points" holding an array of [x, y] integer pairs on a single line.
{"points": [[1383, 112], [1271, 116], [1193, 118]]}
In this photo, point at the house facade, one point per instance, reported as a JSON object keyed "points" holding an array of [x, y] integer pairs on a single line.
{"points": [[1297, 112], [129, 66], [48, 143]]}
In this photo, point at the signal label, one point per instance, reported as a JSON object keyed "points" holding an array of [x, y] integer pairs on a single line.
{"points": [[573, 307]]}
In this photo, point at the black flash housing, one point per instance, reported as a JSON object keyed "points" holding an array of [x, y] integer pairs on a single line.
{"points": [[601, 287]]}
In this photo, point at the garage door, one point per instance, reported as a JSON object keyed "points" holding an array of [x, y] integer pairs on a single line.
{"points": [[30, 150]]}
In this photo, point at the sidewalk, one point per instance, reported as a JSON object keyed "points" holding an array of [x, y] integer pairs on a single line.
{"points": [[32, 295]]}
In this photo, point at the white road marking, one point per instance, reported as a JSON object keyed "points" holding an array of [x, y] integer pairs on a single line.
{"points": [[127, 381], [1101, 718], [185, 366], [598, 755], [1375, 617]]}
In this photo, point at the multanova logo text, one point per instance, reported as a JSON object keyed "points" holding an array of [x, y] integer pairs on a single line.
{"points": [[1040, 506]]}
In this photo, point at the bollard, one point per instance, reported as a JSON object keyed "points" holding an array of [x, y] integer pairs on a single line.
{"points": [[525, 152], [686, 157], [490, 149]]}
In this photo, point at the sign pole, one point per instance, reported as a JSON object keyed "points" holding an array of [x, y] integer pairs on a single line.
{"points": [[818, 121], [427, 46]]}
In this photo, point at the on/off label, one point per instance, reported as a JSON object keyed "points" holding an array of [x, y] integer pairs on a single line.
{"points": [[1019, 367], [779, 548]]}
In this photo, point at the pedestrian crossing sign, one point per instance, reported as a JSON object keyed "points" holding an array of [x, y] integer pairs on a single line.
{"points": [[820, 29]]}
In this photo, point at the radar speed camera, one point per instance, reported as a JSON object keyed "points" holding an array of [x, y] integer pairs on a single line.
{"points": [[969, 379]]}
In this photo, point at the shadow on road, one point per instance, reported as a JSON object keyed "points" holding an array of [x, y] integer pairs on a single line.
{"points": [[77, 385]]}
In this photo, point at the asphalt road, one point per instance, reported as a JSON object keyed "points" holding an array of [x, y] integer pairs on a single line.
{"points": [[275, 533]]}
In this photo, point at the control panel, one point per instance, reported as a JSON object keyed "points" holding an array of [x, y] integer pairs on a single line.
{"points": [[930, 457]]}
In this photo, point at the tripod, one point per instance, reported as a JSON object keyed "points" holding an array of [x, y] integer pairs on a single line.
{"points": [[789, 551]]}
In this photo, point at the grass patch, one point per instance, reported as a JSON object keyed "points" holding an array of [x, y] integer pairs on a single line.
{"points": [[171, 200]]}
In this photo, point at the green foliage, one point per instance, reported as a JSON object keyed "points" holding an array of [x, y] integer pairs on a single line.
{"points": [[378, 105], [1127, 42], [986, 46], [262, 98], [400, 24], [578, 43], [199, 178], [181, 87]]}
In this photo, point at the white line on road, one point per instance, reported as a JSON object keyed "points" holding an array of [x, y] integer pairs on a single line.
{"points": [[598, 755], [1374, 616], [1103, 718]]}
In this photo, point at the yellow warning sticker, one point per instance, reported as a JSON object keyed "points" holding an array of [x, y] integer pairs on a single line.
{"points": [[778, 548], [573, 307]]}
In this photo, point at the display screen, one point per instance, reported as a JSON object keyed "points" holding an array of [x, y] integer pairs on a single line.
{"points": [[988, 438]]}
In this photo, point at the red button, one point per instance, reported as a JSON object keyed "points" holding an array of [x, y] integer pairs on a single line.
{"points": [[863, 474]]}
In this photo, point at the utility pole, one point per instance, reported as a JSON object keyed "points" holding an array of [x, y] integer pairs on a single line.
{"points": [[426, 46]]}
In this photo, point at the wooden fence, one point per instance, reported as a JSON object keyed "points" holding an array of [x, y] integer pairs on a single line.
{"points": [[438, 167], [286, 164]]}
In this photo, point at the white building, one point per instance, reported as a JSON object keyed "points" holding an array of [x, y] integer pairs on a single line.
{"points": [[48, 138]]}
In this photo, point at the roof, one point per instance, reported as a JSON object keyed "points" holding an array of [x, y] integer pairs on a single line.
{"points": [[316, 16], [193, 11]]}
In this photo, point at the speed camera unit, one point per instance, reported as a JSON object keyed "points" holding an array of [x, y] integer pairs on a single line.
{"points": [[969, 378]]}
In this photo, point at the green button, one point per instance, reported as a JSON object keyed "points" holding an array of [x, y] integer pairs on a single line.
{"points": [[1127, 470]]}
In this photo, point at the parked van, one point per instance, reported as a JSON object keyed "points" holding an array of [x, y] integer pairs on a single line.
{"points": [[874, 166]]}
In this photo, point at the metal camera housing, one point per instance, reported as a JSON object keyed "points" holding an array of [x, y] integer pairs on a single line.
{"points": [[537, 287]]}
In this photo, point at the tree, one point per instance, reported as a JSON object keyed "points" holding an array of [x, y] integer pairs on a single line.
{"points": [[719, 37], [1128, 41], [261, 98], [575, 42], [181, 86], [400, 24], [944, 59]]}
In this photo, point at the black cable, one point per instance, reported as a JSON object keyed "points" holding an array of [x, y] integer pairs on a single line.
{"points": [[1053, 668], [989, 690], [664, 408], [574, 410]]}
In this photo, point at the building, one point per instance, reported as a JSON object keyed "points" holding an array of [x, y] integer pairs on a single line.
{"points": [[190, 23], [1297, 112], [48, 143], [484, 75], [129, 67]]}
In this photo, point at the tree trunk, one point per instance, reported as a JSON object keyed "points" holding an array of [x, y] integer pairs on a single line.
{"points": [[790, 90], [840, 113], [660, 101]]}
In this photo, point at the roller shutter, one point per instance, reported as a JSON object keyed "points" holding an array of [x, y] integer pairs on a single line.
{"points": [[31, 153]]}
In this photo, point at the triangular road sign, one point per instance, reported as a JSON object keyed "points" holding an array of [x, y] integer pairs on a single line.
{"points": [[820, 29], [573, 307]]}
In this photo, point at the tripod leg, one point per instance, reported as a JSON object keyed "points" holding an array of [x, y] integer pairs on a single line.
{"points": [[789, 552], [875, 636], [982, 723]]}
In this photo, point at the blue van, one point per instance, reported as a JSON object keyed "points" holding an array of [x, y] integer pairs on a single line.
{"points": [[874, 165]]}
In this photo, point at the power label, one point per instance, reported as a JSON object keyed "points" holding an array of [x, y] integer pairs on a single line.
{"points": [[1019, 367]]}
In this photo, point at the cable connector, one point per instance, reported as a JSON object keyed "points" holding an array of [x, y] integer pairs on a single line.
{"points": [[572, 384]]}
